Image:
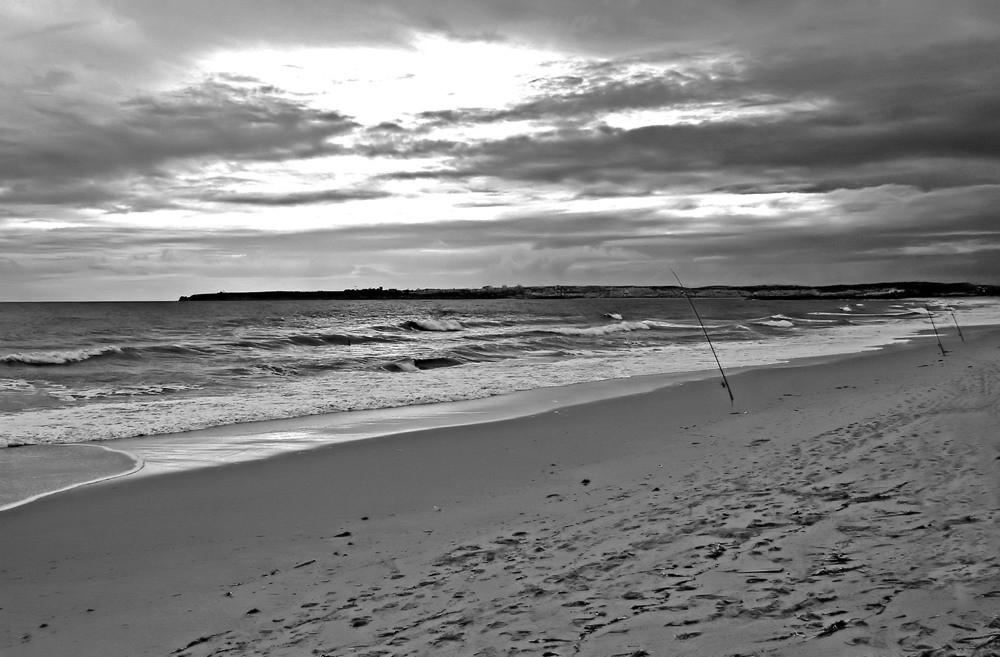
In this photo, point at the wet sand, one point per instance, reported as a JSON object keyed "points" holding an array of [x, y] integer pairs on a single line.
{"points": [[848, 507]]}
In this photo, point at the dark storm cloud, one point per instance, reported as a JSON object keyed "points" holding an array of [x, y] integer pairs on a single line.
{"points": [[213, 121], [925, 116], [387, 126], [79, 193], [297, 198], [84, 158], [808, 146]]}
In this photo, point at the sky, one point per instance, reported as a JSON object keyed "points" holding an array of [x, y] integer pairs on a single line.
{"points": [[153, 149]]}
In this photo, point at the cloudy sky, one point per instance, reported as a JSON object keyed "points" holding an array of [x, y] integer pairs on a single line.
{"points": [[150, 149]]}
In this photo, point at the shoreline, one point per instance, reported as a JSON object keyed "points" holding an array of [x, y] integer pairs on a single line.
{"points": [[232, 444], [848, 502], [256, 394], [225, 445], [60, 472]]}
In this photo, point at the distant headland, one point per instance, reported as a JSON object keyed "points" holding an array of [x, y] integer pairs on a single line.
{"points": [[861, 291]]}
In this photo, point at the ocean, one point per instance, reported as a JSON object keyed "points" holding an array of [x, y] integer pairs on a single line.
{"points": [[74, 372], [92, 391]]}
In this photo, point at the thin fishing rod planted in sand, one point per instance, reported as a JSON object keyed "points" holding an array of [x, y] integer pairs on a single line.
{"points": [[955, 319], [725, 381], [930, 316]]}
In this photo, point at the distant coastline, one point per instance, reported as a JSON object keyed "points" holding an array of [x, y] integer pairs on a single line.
{"points": [[898, 290]]}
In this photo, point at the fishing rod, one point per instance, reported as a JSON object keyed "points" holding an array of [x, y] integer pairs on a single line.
{"points": [[930, 316], [955, 319], [725, 381]]}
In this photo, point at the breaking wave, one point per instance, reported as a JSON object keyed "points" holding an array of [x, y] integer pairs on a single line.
{"points": [[417, 364], [60, 357], [433, 325]]}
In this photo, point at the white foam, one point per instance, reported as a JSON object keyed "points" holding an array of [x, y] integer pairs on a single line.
{"points": [[777, 323], [16, 385], [61, 357], [123, 391], [606, 329], [438, 324]]}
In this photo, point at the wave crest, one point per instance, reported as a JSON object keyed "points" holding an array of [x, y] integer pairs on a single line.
{"points": [[777, 321], [433, 325], [416, 364], [67, 357], [604, 329]]}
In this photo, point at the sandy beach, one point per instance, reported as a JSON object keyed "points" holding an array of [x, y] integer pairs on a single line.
{"points": [[847, 507]]}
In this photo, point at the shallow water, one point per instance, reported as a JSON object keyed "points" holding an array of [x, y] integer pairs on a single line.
{"points": [[34, 471]]}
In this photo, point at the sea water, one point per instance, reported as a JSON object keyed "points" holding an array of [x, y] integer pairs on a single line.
{"points": [[73, 372]]}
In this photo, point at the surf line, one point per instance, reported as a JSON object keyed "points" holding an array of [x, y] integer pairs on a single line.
{"points": [[139, 464], [725, 381]]}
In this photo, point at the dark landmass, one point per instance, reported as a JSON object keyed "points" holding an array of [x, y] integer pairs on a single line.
{"points": [[862, 291]]}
